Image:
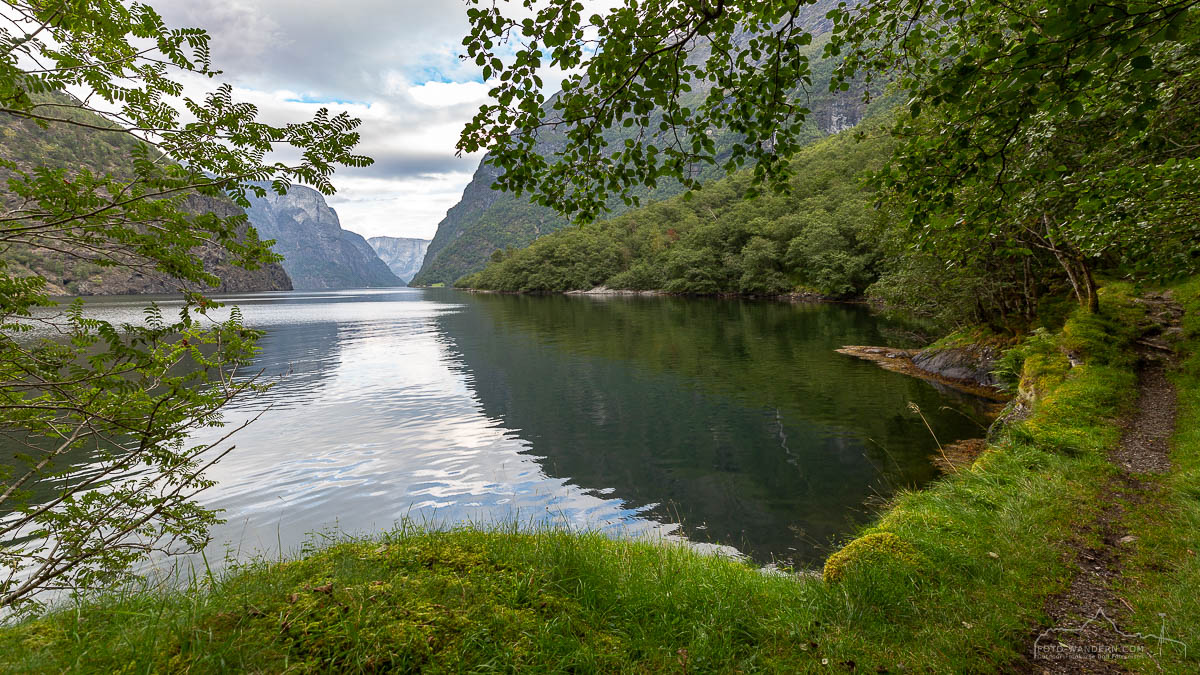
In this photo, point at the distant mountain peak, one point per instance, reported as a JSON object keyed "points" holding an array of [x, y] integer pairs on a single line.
{"points": [[403, 255]]}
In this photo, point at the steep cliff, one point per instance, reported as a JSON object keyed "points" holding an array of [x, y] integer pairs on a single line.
{"points": [[402, 255], [73, 272], [486, 220], [317, 252]]}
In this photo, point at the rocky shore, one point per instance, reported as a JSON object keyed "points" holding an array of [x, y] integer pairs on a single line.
{"points": [[963, 368]]}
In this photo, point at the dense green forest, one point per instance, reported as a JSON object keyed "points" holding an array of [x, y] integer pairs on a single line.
{"points": [[831, 235], [826, 236]]}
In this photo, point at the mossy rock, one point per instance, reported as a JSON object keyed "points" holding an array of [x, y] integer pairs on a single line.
{"points": [[883, 550]]}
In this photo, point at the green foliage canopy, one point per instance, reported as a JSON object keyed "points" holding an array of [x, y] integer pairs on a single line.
{"points": [[1059, 129], [1061, 126], [123, 397], [635, 69]]}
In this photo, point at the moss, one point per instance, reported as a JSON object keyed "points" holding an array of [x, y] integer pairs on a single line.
{"points": [[977, 337], [878, 548], [39, 635]]}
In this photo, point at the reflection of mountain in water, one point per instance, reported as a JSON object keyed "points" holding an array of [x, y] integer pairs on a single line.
{"points": [[735, 418]]}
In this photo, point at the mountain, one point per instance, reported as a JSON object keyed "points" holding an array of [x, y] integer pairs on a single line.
{"points": [[486, 220], [823, 237], [403, 256], [317, 253], [29, 145]]}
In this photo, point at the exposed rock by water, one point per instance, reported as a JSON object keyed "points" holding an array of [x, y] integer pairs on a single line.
{"points": [[960, 455], [968, 363], [907, 361]]}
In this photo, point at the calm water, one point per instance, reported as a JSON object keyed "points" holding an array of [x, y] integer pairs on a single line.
{"points": [[730, 423]]}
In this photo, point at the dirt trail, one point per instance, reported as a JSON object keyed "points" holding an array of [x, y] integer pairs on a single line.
{"points": [[1084, 631]]}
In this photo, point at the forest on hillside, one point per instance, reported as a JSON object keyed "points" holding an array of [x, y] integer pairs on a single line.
{"points": [[824, 235], [1030, 161]]}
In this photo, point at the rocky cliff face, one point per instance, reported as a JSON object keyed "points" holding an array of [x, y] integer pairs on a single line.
{"points": [[402, 255], [483, 221], [317, 252]]}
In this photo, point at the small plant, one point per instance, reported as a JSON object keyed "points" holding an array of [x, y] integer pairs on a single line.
{"points": [[1008, 368], [917, 409]]}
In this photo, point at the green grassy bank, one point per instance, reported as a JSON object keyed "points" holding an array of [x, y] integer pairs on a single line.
{"points": [[950, 578]]}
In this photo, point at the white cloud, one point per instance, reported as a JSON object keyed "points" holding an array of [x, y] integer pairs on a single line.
{"points": [[393, 63], [410, 208], [441, 94]]}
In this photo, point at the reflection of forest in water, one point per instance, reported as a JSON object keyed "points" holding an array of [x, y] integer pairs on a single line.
{"points": [[735, 418]]}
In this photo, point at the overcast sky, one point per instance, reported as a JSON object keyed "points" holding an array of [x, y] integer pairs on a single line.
{"points": [[394, 63]]}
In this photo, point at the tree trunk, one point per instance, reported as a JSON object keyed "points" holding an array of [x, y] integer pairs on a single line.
{"points": [[1078, 272], [1031, 292], [1093, 297], [1075, 284]]}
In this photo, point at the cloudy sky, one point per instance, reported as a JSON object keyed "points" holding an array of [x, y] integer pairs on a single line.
{"points": [[394, 63]]}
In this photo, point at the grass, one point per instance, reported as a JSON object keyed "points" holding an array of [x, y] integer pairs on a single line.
{"points": [[950, 579], [1162, 581]]}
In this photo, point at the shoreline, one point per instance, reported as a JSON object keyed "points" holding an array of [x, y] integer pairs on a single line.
{"points": [[604, 292], [901, 361]]}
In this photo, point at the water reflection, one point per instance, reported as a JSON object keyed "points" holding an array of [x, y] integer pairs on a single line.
{"points": [[736, 419], [377, 426]]}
